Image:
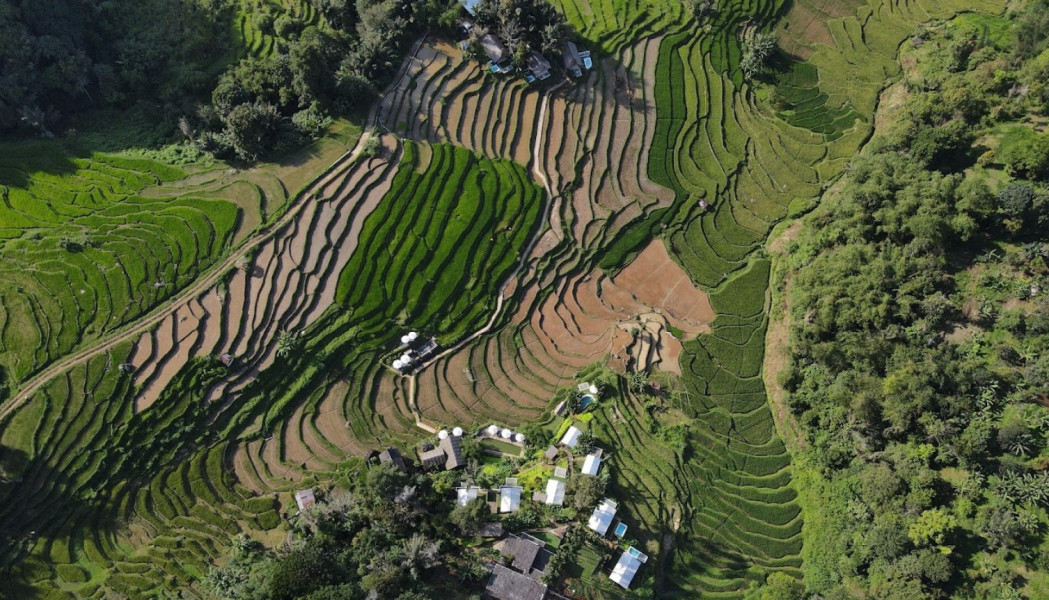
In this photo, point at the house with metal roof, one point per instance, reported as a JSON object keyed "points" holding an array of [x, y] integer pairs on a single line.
{"points": [[591, 464], [624, 571], [602, 517], [466, 494], [305, 498], [509, 498], [571, 437], [555, 492]]}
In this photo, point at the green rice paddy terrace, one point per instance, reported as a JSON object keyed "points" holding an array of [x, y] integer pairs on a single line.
{"points": [[130, 480]]}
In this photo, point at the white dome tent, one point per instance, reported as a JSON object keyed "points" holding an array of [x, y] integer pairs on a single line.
{"points": [[412, 336], [397, 364], [493, 430], [442, 434], [519, 438], [405, 339], [506, 433], [457, 432]]}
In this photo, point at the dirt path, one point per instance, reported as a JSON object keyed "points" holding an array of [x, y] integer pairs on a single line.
{"points": [[30, 386], [777, 350], [540, 175]]}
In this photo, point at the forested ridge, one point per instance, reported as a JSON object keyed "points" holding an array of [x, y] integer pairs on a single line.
{"points": [[180, 64], [919, 331]]}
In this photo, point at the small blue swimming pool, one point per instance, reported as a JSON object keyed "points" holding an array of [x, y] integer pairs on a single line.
{"points": [[620, 530], [585, 402]]}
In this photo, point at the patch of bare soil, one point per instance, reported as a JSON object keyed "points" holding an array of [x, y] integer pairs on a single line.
{"points": [[777, 350]]}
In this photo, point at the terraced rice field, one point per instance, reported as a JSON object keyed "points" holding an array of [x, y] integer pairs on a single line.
{"points": [[85, 250], [256, 41], [143, 478], [364, 252]]}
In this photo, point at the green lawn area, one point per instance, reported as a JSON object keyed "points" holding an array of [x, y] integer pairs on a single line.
{"points": [[501, 446]]}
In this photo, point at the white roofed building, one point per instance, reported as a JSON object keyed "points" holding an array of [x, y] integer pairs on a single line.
{"points": [[466, 494], [555, 492], [624, 571], [509, 498], [571, 437], [601, 520], [591, 464]]}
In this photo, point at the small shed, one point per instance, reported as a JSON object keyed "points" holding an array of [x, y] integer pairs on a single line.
{"points": [[551, 453], [305, 498], [393, 457], [591, 464]]}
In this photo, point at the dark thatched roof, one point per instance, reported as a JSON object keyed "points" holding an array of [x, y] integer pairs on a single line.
{"points": [[393, 456], [506, 584], [523, 552], [452, 446], [432, 458]]}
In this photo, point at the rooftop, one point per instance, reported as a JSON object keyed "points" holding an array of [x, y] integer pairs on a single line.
{"points": [[494, 48], [433, 458], [523, 551], [555, 492], [571, 437], [393, 456], [591, 464], [509, 499], [305, 498], [602, 517], [624, 571], [452, 446], [506, 584], [465, 494]]}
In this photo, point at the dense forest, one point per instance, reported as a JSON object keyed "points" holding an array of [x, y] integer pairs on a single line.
{"points": [[919, 340], [177, 62]]}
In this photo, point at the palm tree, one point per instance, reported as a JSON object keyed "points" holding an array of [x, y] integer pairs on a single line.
{"points": [[419, 553], [287, 342]]}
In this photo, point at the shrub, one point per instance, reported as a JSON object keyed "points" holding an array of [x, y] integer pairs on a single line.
{"points": [[311, 122], [1028, 159]]}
